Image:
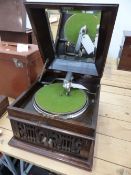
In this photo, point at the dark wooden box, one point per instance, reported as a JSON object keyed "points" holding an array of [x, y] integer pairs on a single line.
{"points": [[18, 70], [3, 104], [30, 128], [69, 140], [124, 62], [17, 37]]}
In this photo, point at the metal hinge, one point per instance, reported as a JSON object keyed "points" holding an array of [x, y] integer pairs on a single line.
{"points": [[18, 63]]}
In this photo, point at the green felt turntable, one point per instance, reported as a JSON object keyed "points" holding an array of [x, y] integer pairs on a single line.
{"points": [[53, 100]]}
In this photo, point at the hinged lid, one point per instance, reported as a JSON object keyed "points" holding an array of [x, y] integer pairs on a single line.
{"points": [[83, 34]]}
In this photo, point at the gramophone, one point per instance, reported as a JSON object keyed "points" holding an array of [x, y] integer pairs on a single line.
{"points": [[57, 116]]}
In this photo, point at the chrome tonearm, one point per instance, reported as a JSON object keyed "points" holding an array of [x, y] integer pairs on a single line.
{"points": [[67, 82]]}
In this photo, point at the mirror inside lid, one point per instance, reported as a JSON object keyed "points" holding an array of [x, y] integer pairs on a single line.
{"points": [[73, 37], [77, 39]]}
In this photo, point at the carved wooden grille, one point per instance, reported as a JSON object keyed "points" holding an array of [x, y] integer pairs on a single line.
{"points": [[51, 139]]}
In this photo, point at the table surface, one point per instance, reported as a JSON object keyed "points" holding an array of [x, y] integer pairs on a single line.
{"points": [[113, 139]]}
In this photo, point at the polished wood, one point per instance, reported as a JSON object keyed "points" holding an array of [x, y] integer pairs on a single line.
{"points": [[18, 37], [53, 155], [124, 62], [22, 110], [23, 68], [72, 140]]}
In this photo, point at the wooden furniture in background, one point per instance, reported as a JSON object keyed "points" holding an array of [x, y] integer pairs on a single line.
{"points": [[13, 22], [124, 62], [12, 16], [18, 37], [3, 104], [18, 70]]}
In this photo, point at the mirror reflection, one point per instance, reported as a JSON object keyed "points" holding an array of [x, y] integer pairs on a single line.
{"points": [[75, 33]]}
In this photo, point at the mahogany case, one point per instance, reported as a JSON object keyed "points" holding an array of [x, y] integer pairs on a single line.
{"points": [[69, 140], [23, 68]]}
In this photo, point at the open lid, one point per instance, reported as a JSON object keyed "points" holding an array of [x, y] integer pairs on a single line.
{"points": [[82, 38]]}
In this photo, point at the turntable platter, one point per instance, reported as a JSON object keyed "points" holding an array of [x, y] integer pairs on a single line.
{"points": [[52, 99]]}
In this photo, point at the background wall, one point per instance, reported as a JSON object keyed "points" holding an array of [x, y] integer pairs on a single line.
{"points": [[123, 21]]}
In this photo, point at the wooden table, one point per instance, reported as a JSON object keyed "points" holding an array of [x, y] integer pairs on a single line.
{"points": [[113, 139]]}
